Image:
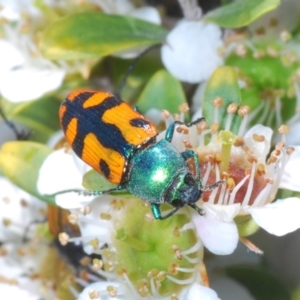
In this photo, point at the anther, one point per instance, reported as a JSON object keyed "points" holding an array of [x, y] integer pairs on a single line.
{"points": [[95, 243], [241, 50], [279, 146], [172, 268], [182, 129], [97, 264], [214, 127], [105, 216], [112, 291], [230, 183], [165, 114], [184, 108], [218, 102], [232, 108], [290, 150], [117, 204], [239, 142], [73, 218], [283, 129], [258, 138], [85, 210], [93, 294], [243, 110], [63, 238]]}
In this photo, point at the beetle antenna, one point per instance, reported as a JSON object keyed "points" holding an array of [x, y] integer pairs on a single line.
{"points": [[132, 66], [20, 135], [211, 187]]}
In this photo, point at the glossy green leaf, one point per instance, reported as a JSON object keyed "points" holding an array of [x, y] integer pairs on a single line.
{"points": [[163, 91], [21, 162], [93, 181], [241, 13], [40, 116], [260, 283], [90, 34], [224, 84]]}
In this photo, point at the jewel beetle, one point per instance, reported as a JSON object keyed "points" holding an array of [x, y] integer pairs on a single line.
{"points": [[120, 143]]}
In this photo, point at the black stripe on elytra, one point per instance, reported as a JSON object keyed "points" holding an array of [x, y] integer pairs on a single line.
{"points": [[139, 122], [104, 167], [90, 121]]}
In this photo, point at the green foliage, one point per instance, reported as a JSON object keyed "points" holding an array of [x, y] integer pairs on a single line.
{"points": [[260, 283], [90, 34], [223, 83], [163, 91], [241, 13], [265, 78], [41, 116], [21, 162]]}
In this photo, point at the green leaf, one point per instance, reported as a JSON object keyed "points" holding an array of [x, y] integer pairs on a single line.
{"points": [[241, 13], [261, 284], [90, 34], [223, 83], [21, 162], [41, 116], [163, 91], [93, 181]]}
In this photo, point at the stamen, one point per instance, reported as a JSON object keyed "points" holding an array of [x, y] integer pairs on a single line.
{"points": [[130, 285], [256, 112], [207, 172], [235, 190], [181, 281], [187, 226], [193, 249], [278, 111], [263, 196], [265, 113], [154, 290], [243, 111], [231, 109], [250, 185], [283, 130], [187, 270], [270, 118], [195, 260]]}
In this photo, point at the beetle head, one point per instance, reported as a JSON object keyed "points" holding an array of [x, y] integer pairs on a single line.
{"points": [[183, 190]]}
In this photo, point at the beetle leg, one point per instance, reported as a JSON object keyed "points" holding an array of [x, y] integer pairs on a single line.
{"points": [[199, 210], [157, 212], [191, 154], [171, 128], [91, 193]]}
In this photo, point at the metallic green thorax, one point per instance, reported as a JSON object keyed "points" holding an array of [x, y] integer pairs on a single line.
{"points": [[153, 170]]}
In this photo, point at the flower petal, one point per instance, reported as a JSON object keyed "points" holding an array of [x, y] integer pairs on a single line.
{"points": [[10, 56], [278, 218], [224, 213], [190, 52], [32, 83], [290, 178], [262, 148], [58, 173], [197, 291], [218, 237]]}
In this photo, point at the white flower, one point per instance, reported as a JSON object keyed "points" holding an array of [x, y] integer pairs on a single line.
{"points": [[19, 212], [190, 52], [112, 226], [252, 180], [21, 64]]}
